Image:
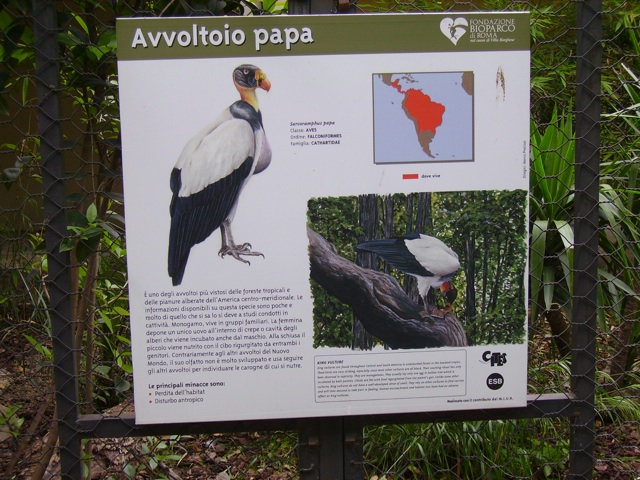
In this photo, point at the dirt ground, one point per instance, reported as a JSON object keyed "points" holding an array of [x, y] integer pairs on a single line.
{"points": [[25, 433]]}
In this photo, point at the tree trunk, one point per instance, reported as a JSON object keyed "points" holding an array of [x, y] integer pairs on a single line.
{"points": [[470, 275], [560, 330], [362, 340], [623, 343], [424, 220]]}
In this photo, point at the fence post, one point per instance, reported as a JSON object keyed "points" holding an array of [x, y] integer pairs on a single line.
{"points": [[53, 182], [306, 7], [585, 294], [324, 444]]}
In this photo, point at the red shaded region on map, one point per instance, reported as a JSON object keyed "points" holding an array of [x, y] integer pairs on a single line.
{"points": [[396, 84], [425, 114]]}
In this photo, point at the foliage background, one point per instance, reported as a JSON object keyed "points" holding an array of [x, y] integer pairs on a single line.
{"points": [[96, 245]]}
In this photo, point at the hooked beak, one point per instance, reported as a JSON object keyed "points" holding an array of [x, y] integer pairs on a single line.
{"points": [[262, 81]]}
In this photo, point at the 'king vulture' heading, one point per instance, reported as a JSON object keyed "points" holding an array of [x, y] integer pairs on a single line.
{"points": [[426, 258], [213, 168]]}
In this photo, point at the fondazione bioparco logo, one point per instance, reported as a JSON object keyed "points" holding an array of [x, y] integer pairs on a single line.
{"points": [[479, 30]]}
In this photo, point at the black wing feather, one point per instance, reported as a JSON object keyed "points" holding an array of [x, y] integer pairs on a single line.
{"points": [[197, 216], [394, 251], [175, 182]]}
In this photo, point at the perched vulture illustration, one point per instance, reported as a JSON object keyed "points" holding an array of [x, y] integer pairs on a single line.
{"points": [[213, 168], [426, 258]]}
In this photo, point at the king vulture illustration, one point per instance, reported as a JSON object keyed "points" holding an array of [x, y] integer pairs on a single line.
{"points": [[426, 258], [213, 168]]}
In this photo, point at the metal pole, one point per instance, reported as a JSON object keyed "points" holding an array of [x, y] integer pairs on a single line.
{"points": [[585, 295], [311, 7], [322, 443], [53, 181]]}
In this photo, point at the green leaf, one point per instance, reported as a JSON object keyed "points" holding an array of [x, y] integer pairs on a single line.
{"points": [[76, 219], [127, 367], [123, 386], [549, 282], [25, 91], [106, 320], [4, 106], [536, 259], [92, 213], [44, 351], [86, 247], [103, 370], [92, 233], [67, 244], [566, 233], [130, 470], [11, 174]]}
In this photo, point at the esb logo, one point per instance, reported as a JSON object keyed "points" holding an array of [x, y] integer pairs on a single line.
{"points": [[495, 381], [496, 359]]}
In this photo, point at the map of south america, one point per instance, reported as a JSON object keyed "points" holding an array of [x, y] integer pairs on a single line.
{"points": [[439, 108], [425, 114]]}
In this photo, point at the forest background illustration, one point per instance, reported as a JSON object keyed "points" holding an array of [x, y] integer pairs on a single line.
{"points": [[487, 229]]}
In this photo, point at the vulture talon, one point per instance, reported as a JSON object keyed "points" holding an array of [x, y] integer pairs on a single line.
{"points": [[237, 250], [435, 311]]}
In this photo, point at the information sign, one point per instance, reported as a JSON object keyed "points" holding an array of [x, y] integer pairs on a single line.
{"points": [[302, 194]]}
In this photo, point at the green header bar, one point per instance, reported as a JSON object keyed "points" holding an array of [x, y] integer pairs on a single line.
{"points": [[288, 35]]}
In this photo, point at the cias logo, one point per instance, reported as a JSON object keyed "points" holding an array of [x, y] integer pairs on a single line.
{"points": [[496, 358], [454, 29]]}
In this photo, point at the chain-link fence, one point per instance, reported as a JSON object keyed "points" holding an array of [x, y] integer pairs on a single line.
{"points": [[61, 176]]}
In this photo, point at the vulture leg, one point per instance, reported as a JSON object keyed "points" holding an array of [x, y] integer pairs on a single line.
{"points": [[229, 247], [432, 310]]}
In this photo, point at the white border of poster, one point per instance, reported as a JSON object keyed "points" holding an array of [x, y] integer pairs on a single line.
{"points": [[234, 338]]}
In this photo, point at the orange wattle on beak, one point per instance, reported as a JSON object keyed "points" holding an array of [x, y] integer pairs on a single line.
{"points": [[262, 81]]}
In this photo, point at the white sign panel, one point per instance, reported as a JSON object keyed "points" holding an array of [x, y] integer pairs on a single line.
{"points": [[304, 200]]}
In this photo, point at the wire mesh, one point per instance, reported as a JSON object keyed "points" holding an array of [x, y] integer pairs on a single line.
{"points": [[95, 243]]}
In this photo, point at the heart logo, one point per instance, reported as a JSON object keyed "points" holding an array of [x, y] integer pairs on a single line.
{"points": [[454, 29]]}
